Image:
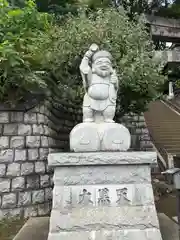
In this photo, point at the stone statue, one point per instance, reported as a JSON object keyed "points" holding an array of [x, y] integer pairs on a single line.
{"points": [[99, 132], [101, 85]]}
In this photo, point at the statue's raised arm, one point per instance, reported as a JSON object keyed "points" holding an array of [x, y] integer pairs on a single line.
{"points": [[85, 67]]}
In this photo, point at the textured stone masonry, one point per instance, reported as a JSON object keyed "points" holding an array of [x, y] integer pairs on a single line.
{"points": [[26, 138]]}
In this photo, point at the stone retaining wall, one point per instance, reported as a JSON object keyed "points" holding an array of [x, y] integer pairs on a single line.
{"points": [[26, 138], [140, 139]]}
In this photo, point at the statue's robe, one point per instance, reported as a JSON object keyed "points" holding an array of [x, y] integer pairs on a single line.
{"points": [[101, 92]]}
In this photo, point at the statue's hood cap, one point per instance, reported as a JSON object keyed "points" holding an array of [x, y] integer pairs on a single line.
{"points": [[102, 54]]}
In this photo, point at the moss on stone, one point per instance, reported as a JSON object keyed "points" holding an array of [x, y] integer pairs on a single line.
{"points": [[10, 227]]}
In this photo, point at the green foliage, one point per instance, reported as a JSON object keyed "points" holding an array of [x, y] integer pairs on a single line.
{"points": [[132, 7], [59, 7], [96, 4], [32, 44], [129, 44], [173, 11], [10, 227], [143, 6], [177, 83], [24, 33]]}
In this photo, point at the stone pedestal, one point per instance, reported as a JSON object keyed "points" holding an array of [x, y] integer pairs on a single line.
{"points": [[94, 137], [103, 196]]}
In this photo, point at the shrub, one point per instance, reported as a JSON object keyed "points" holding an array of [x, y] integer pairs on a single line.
{"points": [[130, 45], [24, 33]]}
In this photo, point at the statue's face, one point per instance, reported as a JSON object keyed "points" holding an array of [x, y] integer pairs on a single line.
{"points": [[102, 67], [103, 64]]}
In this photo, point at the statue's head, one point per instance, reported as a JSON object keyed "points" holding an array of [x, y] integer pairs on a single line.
{"points": [[101, 63]]}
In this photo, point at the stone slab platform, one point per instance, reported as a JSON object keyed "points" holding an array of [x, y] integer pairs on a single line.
{"points": [[101, 158], [175, 219], [34, 229], [169, 228], [38, 228]]}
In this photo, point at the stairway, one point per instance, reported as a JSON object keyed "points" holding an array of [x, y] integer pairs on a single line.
{"points": [[164, 128]]}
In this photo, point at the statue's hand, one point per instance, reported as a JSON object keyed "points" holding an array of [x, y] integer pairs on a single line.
{"points": [[93, 48], [89, 54], [114, 77]]}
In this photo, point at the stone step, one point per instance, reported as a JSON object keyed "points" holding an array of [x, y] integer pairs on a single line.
{"points": [[162, 123]]}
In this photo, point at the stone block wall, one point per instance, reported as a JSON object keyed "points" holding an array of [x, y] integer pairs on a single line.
{"points": [[26, 138], [140, 139]]}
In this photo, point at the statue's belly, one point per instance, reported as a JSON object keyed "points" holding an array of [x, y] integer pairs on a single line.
{"points": [[99, 91]]}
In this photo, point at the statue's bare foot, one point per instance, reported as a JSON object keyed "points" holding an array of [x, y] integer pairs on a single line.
{"points": [[88, 120], [109, 121]]}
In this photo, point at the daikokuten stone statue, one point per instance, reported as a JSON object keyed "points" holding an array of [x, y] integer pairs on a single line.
{"points": [[99, 132], [101, 85]]}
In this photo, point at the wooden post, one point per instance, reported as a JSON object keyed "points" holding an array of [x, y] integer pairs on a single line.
{"points": [[171, 92]]}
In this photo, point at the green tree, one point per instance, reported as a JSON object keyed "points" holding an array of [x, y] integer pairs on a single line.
{"points": [[23, 37], [171, 11], [60, 7], [144, 6], [56, 6], [94, 5], [130, 45], [132, 7], [35, 53]]}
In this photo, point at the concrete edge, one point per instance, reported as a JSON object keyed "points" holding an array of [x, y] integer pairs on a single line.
{"points": [[34, 228]]}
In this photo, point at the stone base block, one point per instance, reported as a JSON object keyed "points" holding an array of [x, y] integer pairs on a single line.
{"points": [[37, 228], [98, 218], [130, 234], [103, 196], [91, 137]]}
